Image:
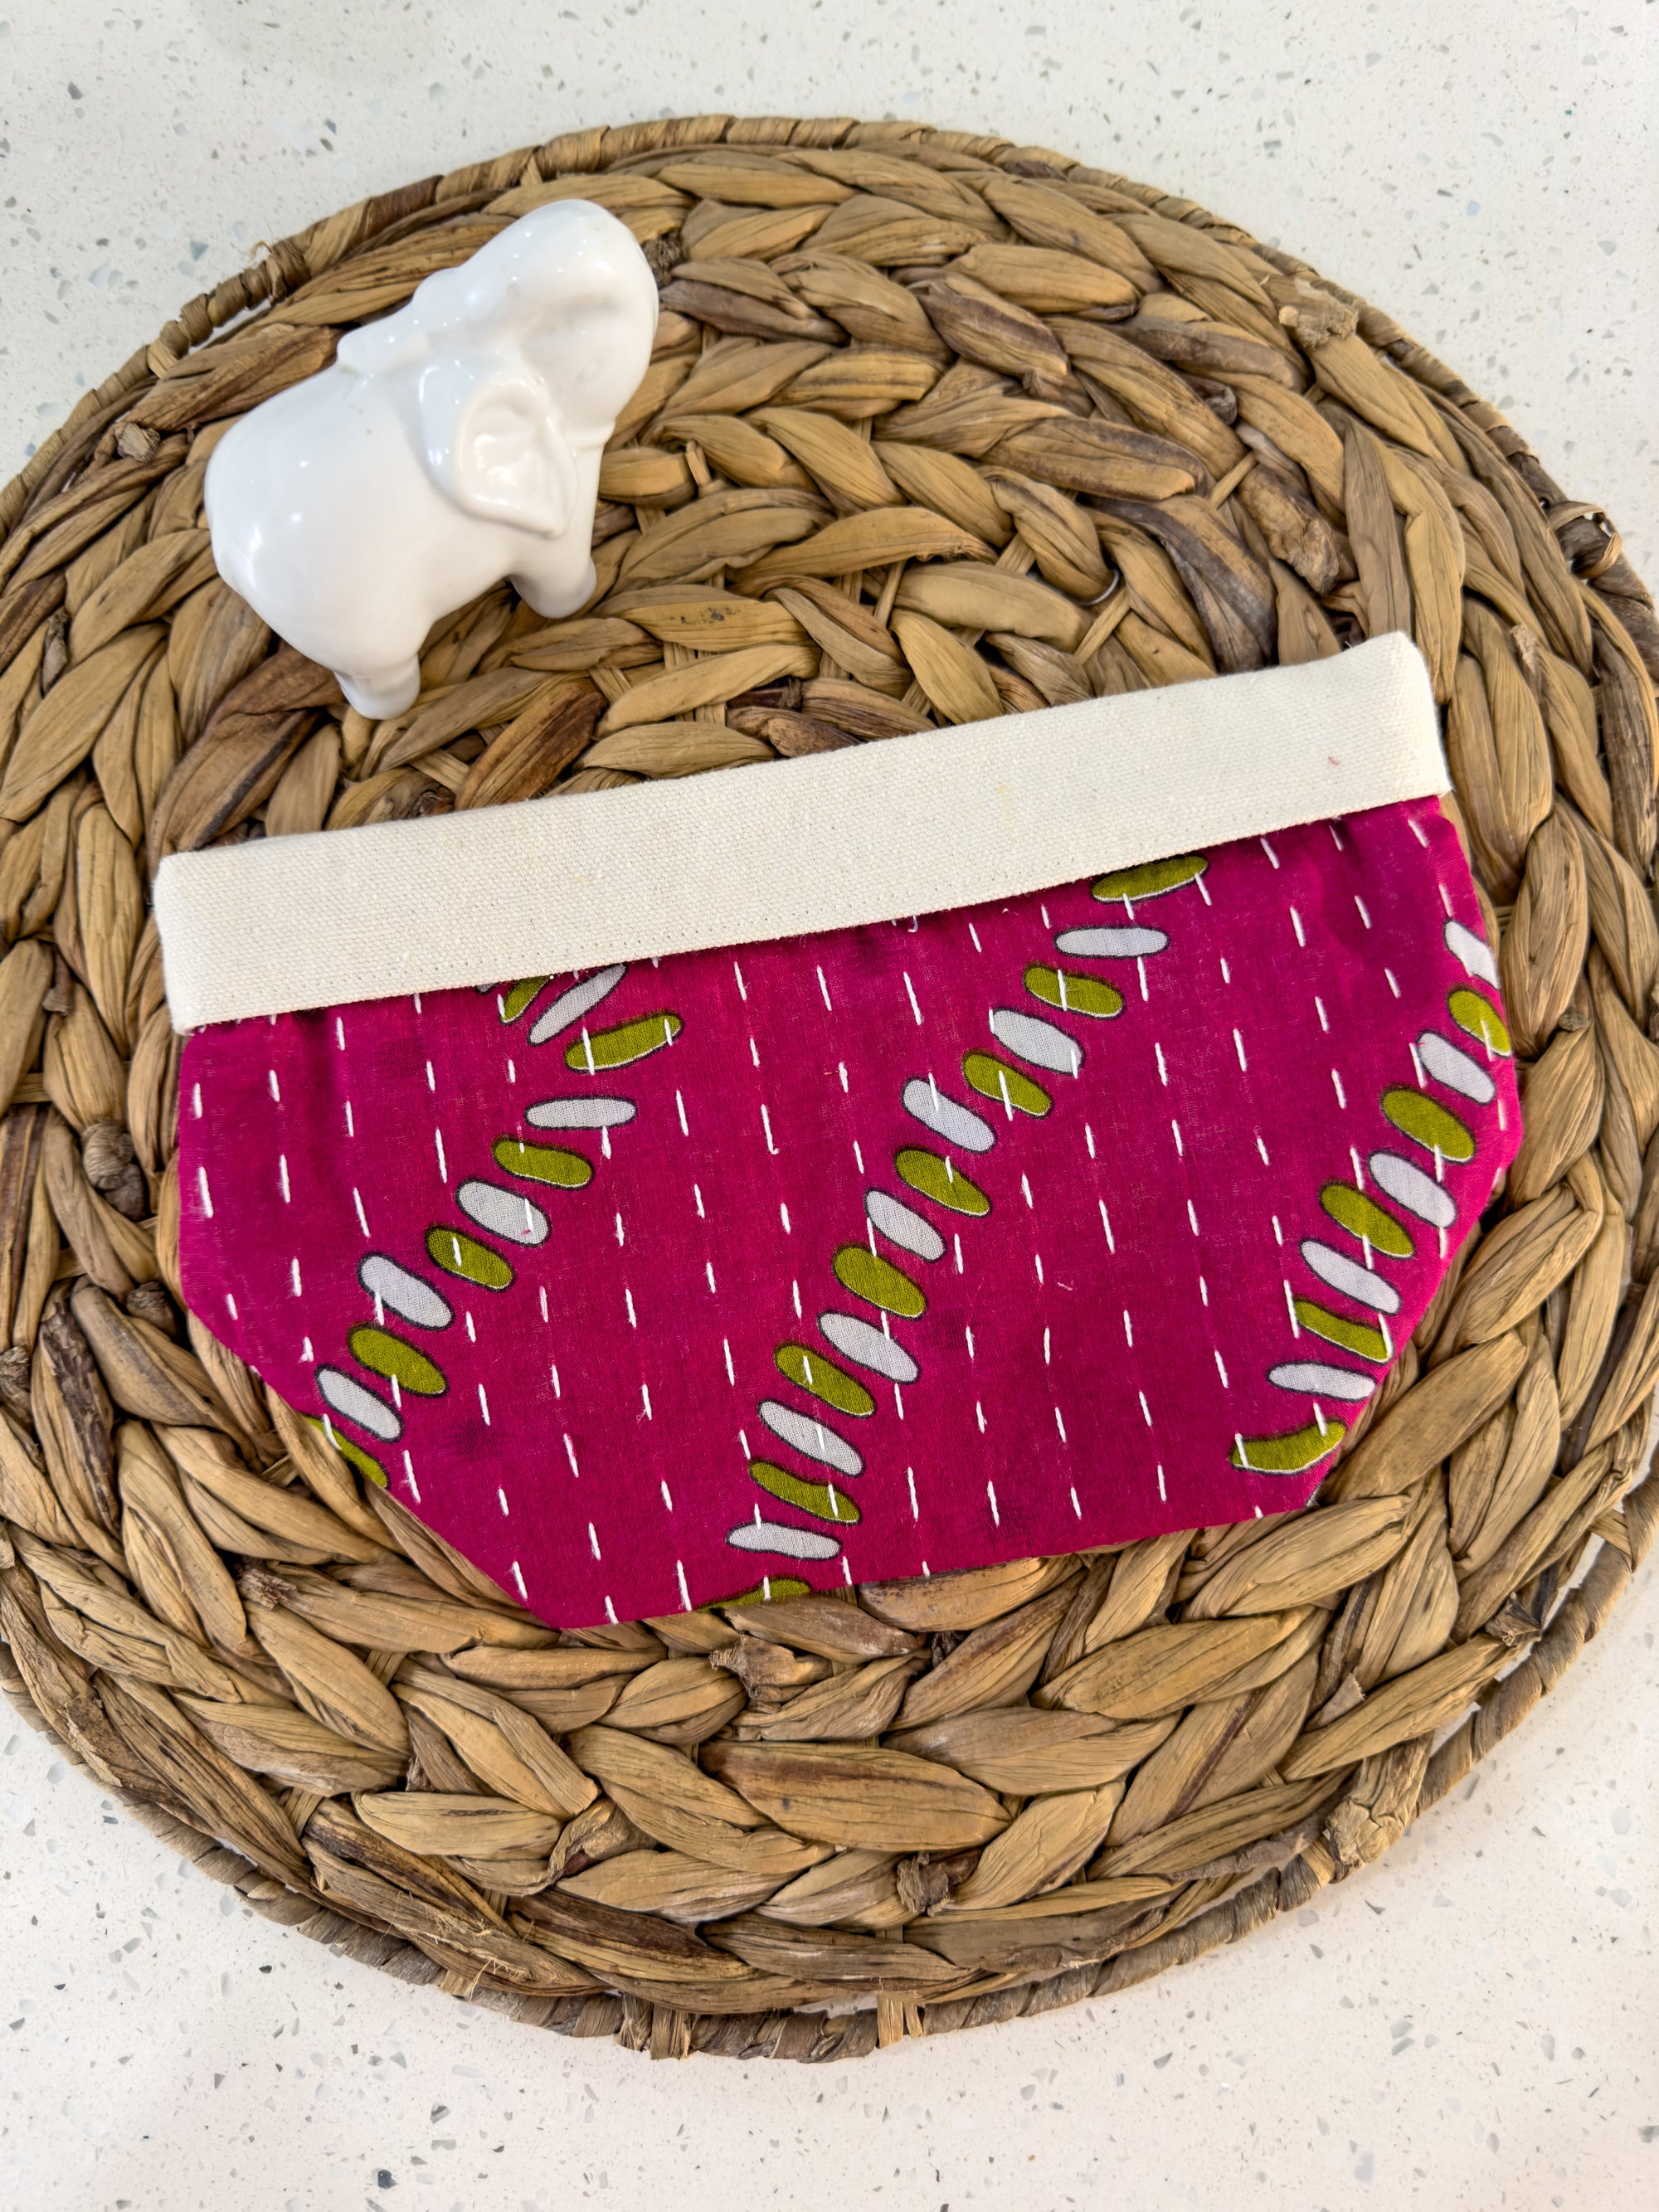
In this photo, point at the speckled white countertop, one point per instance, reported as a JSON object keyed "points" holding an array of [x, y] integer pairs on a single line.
{"points": [[1470, 2023]]}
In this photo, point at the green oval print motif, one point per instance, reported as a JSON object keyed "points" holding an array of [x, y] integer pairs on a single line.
{"points": [[1352, 1335], [602, 1048], [994, 1078], [1289, 1453], [821, 1499], [1477, 1017], [878, 1282], [772, 1591], [543, 1164], [1427, 1124], [458, 1254], [514, 1001], [1363, 1218], [813, 1372], [1152, 879], [937, 1179], [382, 1354], [1074, 994], [364, 1462]]}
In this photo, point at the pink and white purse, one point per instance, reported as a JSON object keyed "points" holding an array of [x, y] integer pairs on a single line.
{"points": [[1004, 1140]]}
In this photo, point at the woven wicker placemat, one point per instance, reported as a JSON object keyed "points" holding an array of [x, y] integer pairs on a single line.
{"points": [[900, 372]]}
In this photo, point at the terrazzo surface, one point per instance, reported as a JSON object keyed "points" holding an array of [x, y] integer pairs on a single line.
{"points": [[1470, 2023]]}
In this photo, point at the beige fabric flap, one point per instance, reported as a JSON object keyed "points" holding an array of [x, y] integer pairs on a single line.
{"points": [[872, 833]]}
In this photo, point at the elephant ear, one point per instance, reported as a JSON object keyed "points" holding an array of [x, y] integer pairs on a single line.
{"points": [[495, 445]]}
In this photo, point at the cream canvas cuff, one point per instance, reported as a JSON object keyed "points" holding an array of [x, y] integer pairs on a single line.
{"points": [[871, 833]]}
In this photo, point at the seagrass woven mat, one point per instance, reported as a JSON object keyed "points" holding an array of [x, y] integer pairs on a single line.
{"points": [[900, 373]]}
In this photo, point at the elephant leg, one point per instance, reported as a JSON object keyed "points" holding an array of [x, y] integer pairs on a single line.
{"points": [[550, 588], [377, 692]]}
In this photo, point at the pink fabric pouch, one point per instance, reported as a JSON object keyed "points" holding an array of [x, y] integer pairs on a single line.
{"points": [[1055, 1220]]}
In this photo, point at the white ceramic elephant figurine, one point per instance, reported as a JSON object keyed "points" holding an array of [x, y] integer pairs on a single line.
{"points": [[454, 443]]}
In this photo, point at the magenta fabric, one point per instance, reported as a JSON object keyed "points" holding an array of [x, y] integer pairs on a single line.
{"points": [[1011, 1230]]}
